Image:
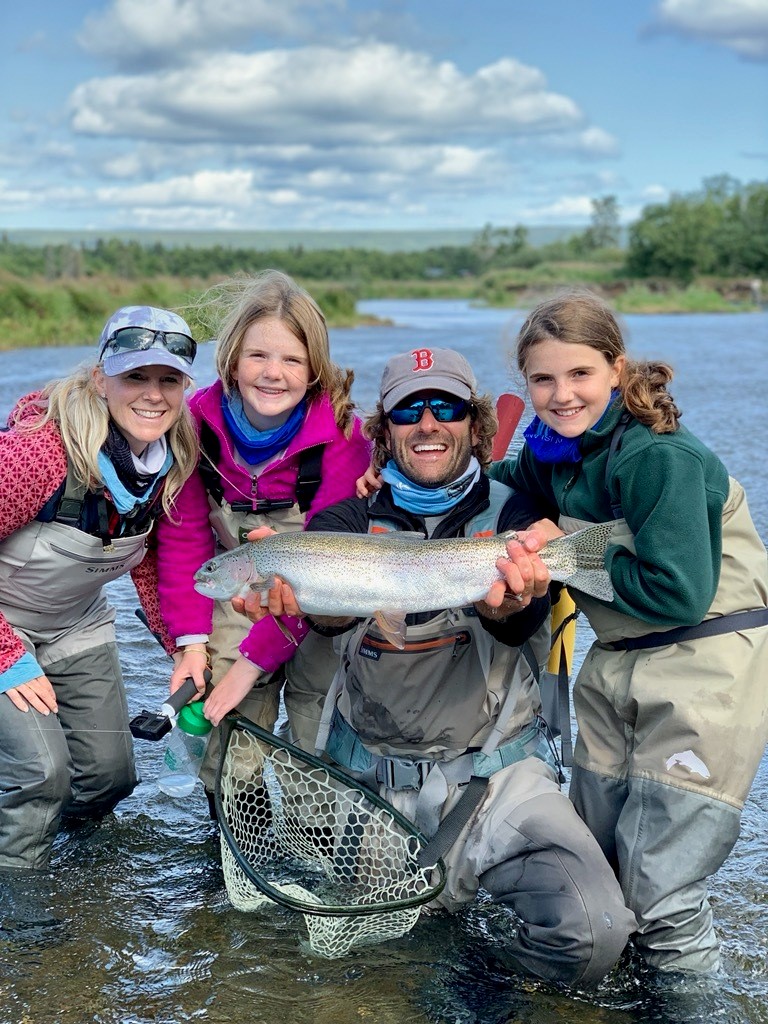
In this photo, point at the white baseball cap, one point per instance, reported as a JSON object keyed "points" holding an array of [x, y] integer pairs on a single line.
{"points": [[167, 342]]}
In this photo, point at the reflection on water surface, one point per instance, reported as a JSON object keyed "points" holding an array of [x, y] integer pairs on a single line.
{"points": [[133, 925]]}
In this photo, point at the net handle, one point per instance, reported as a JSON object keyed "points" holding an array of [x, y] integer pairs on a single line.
{"points": [[232, 722]]}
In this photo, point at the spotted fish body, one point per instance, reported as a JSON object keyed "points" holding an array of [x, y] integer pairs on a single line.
{"points": [[346, 574]]}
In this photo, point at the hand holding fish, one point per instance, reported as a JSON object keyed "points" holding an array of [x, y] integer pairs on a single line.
{"points": [[524, 576], [251, 605], [540, 532]]}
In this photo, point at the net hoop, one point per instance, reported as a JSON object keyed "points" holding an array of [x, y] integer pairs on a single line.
{"points": [[282, 895]]}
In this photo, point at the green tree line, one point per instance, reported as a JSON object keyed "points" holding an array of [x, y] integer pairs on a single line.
{"points": [[721, 229]]}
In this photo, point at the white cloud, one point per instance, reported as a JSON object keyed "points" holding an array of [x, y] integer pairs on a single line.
{"points": [[655, 194], [462, 162], [594, 141], [563, 210], [155, 32], [325, 96], [740, 25], [203, 188]]}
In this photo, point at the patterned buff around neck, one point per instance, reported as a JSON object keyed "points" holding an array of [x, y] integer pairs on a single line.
{"points": [[428, 501]]}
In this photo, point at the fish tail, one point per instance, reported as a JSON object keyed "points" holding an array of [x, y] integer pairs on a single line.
{"points": [[581, 560]]}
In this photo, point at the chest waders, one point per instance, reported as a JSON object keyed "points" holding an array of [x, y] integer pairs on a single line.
{"points": [[653, 778], [456, 667], [79, 761], [308, 672], [729, 622]]}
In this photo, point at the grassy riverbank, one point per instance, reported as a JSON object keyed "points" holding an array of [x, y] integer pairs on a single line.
{"points": [[71, 311]]}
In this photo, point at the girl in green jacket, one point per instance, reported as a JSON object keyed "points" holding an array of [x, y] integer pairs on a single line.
{"points": [[671, 700]]}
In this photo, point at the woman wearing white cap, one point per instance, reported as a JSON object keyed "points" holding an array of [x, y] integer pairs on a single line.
{"points": [[86, 465]]}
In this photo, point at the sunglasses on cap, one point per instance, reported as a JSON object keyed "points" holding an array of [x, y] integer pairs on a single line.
{"points": [[444, 410], [138, 339]]}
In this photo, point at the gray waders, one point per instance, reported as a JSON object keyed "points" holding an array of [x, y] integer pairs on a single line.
{"points": [[79, 761], [670, 738]]}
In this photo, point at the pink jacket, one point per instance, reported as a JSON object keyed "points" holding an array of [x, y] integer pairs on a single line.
{"points": [[32, 467], [184, 545]]}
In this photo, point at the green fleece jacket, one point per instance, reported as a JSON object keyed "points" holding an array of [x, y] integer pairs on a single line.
{"points": [[671, 490]]}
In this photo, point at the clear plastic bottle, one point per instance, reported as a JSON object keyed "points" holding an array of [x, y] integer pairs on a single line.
{"points": [[185, 751]]}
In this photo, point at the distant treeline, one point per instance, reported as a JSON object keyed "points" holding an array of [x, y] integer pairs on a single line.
{"points": [[721, 229]]}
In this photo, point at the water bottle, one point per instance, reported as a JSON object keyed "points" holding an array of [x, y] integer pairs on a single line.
{"points": [[185, 751]]}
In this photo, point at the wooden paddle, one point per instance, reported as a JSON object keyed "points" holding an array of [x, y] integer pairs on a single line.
{"points": [[509, 409]]}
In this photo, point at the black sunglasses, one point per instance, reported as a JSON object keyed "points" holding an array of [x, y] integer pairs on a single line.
{"points": [[445, 410], [138, 339]]}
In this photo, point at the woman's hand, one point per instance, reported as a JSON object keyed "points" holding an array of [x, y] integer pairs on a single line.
{"points": [[235, 685], [35, 693], [368, 483], [189, 662]]}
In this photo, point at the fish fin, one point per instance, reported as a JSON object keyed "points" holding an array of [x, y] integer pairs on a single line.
{"points": [[578, 560], [591, 543], [595, 582], [392, 625]]}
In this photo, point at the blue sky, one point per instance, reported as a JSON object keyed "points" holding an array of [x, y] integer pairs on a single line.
{"points": [[344, 114]]}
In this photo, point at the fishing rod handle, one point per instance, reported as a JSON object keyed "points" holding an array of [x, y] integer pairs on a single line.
{"points": [[176, 701]]}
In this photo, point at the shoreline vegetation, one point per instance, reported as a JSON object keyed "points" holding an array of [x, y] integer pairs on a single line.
{"points": [[705, 252], [38, 313]]}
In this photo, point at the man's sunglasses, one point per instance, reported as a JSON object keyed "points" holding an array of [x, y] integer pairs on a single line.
{"points": [[138, 339], [445, 410]]}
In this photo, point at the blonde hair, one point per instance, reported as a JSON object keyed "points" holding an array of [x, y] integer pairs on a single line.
{"points": [[482, 415], [582, 318], [232, 307], [82, 417]]}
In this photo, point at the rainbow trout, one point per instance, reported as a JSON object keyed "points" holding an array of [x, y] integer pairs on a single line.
{"points": [[388, 575]]}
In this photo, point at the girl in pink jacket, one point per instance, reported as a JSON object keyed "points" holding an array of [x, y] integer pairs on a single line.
{"points": [[278, 442]]}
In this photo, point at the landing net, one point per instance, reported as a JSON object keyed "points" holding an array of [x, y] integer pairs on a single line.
{"points": [[303, 834]]}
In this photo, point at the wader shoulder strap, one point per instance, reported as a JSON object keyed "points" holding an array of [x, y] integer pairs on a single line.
{"points": [[486, 523], [307, 483], [67, 504], [72, 500], [310, 471], [732, 623], [210, 451]]}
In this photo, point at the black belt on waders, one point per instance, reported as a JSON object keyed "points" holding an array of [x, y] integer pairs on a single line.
{"points": [[732, 623]]}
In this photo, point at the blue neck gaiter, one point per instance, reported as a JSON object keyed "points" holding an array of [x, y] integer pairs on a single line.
{"points": [[123, 500], [428, 501], [256, 446], [549, 446]]}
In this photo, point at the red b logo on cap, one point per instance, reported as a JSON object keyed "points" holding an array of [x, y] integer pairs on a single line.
{"points": [[423, 359]]}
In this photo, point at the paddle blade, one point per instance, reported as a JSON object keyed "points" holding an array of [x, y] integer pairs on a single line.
{"points": [[509, 409]]}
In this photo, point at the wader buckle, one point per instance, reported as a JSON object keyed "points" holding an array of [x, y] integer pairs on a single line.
{"points": [[402, 773]]}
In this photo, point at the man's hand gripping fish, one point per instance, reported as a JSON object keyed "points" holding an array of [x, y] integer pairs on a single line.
{"points": [[388, 575]]}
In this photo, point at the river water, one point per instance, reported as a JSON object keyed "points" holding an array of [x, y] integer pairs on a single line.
{"points": [[133, 925]]}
